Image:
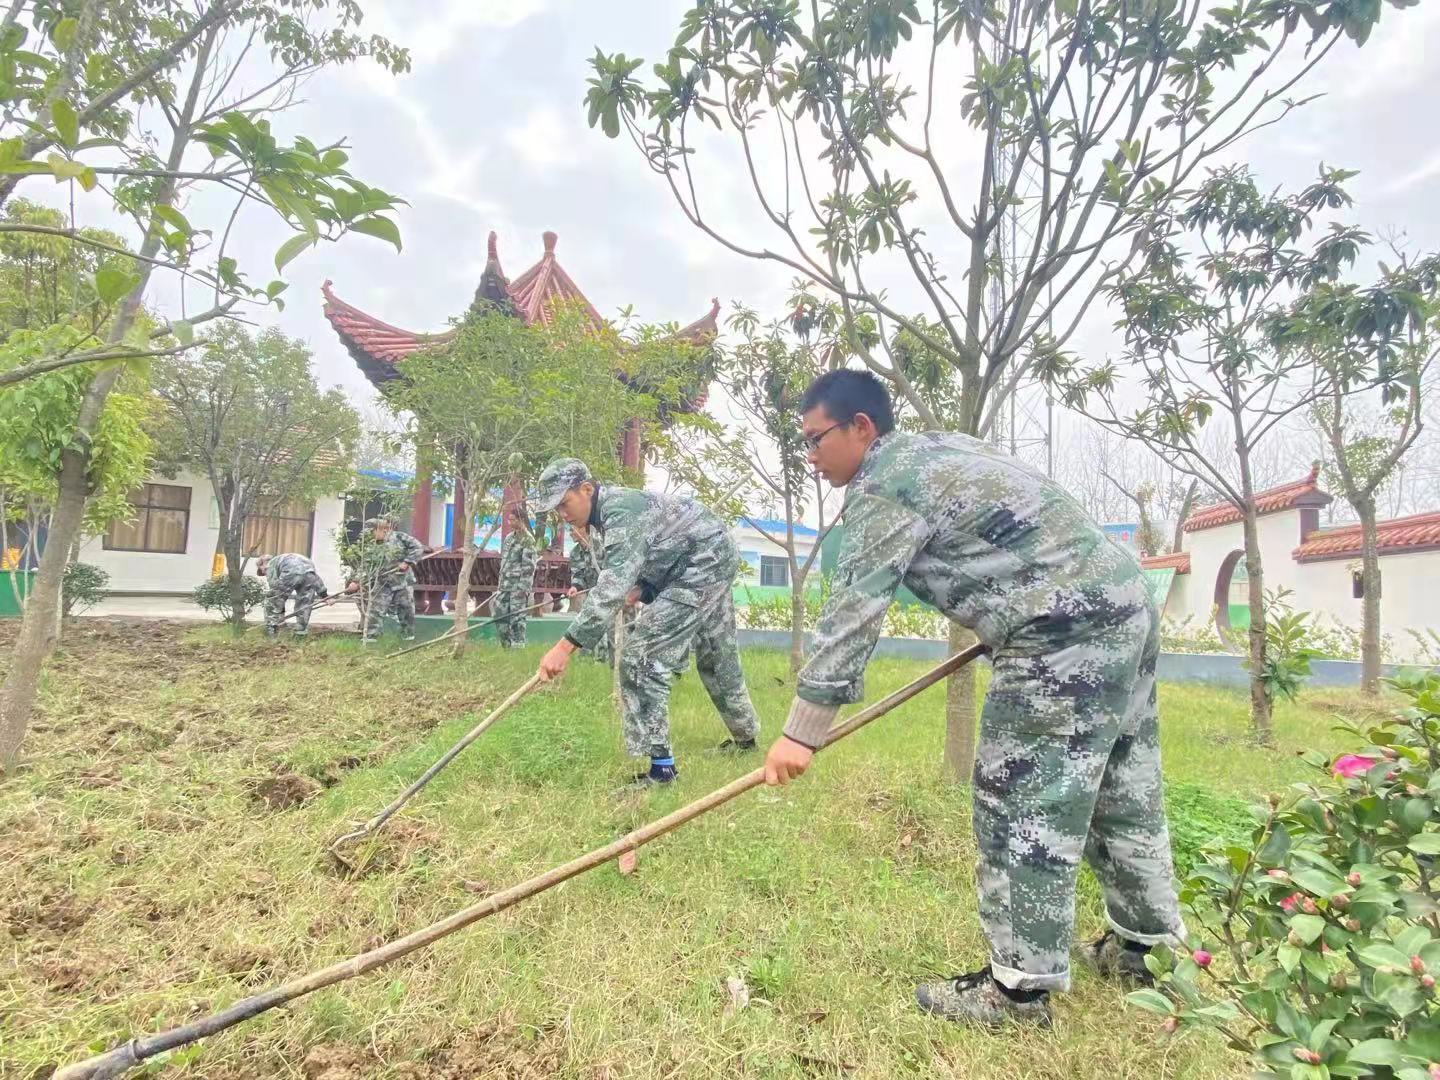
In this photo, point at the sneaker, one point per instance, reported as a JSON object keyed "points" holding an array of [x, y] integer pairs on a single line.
{"points": [[978, 999], [408, 637], [653, 777], [1113, 957], [272, 632], [735, 746]]}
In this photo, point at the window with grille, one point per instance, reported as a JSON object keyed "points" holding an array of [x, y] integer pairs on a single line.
{"points": [[161, 523], [774, 570], [279, 528]]}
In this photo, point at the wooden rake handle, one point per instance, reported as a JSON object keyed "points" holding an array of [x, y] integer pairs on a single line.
{"points": [[113, 1062], [429, 774]]}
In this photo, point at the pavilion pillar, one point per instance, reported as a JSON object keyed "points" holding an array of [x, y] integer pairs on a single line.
{"points": [[511, 500], [630, 447], [421, 503]]}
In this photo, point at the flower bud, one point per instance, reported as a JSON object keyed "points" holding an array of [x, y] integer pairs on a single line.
{"points": [[1427, 981], [1353, 925], [1413, 791], [1275, 799], [1417, 965], [1170, 1025], [1310, 1057], [1340, 900], [1201, 957], [1353, 878], [1308, 906], [1388, 754], [1338, 981], [1294, 939]]}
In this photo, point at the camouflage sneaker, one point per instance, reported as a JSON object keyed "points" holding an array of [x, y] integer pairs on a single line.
{"points": [[272, 632], [408, 637], [976, 999], [735, 746], [1111, 958]]}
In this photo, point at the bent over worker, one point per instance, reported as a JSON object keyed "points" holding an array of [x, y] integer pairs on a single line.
{"points": [[289, 575], [678, 559], [1068, 761], [515, 588], [387, 577]]}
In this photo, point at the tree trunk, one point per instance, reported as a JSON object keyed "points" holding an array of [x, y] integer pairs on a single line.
{"points": [[1177, 540], [462, 597], [1370, 604], [1259, 697], [797, 624], [235, 576], [40, 627], [960, 711]]}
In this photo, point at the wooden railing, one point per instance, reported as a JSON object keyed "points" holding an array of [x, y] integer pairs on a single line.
{"points": [[438, 574]]}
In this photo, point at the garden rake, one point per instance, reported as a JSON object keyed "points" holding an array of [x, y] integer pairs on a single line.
{"points": [[372, 826], [329, 601], [133, 1052]]}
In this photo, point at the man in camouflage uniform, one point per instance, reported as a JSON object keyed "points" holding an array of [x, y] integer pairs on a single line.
{"points": [[1068, 764], [289, 575], [677, 558], [387, 576], [584, 573], [515, 591]]}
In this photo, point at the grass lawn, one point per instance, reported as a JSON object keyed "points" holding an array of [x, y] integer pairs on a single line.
{"points": [[153, 868]]}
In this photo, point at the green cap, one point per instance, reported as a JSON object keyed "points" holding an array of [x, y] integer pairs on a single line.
{"points": [[561, 475], [376, 522]]}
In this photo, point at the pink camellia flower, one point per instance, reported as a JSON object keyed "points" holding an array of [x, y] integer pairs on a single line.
{"points": [[1201, 957], [1348, 765], [1290, 902]]}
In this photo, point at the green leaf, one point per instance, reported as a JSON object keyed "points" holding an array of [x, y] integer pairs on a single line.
{"points": [[1289, 956], [64, 33], [1152, 1000], [1425, 843], [275, 288], [114, 283], [1307, 927], [67, 123], [64, 168], [291, 248], [173, 218], [384, 228], [1380, 955], [183, 332], [1377, 1052]]}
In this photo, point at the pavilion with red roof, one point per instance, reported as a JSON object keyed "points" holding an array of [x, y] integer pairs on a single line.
{"points": [[377, 346]]}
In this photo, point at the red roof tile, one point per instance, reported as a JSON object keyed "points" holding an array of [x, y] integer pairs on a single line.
{"points": [[1301, 493], [1178, 561], [539, 289], [1395, 537]]}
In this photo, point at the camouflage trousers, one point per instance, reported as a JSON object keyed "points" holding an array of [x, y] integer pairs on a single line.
{"points": [[511, 608], [393, 596], [656, 650], [1068, 766], [305, 591]]}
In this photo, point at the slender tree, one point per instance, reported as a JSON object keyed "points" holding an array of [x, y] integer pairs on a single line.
{"points": [[892, 148]]}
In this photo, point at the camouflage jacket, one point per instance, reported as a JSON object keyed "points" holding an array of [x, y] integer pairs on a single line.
{"points": [[993, 544], [583, 571], [376, 558], [518, 558], [663, 543], [290, 571]]}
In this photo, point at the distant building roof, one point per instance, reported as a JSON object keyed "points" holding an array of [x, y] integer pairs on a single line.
{"points": [[1300, 493], [1178, 561], [1419, 532], [777, 526]]}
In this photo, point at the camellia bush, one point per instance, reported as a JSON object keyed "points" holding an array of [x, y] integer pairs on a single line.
{"points": [[1315, 948]]}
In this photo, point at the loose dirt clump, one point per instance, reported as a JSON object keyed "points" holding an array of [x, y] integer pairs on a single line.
{"points": [[336, 1061], [390, 849], [284, 791], [498, 1048], [55, 912]]}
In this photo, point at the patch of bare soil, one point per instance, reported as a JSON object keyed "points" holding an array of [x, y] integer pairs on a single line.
{"points": [[498, 1049], [53, 912], [336, 1061], [284, 790], [390, 849]]}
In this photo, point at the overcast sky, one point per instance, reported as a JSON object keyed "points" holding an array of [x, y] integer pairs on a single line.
{"points": [[487, 132]]}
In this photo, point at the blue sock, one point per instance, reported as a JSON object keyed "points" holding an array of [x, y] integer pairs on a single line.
{"points": [[662, 768]]}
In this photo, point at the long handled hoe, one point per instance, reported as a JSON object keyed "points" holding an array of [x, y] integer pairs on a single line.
{"points": [[113, 1062], [373, 825]]}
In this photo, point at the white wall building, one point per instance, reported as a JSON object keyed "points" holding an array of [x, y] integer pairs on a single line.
{"points": [[767, 558], [169, 546], [1318, 566]]}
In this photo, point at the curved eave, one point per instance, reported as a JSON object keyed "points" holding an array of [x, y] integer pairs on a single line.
{"points": [[374, 345]]}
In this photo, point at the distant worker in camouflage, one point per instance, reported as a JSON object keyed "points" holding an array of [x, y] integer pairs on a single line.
{"points": [[386, 578], [678, 559], [289, 575], [515, 591], [1068, 763]]}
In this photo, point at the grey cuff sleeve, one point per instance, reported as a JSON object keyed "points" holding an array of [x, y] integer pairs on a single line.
{"points": [[808, 723]]}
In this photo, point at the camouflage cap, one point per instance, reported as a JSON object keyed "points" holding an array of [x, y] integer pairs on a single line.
{"points": [[560, 476], [376, 522]]}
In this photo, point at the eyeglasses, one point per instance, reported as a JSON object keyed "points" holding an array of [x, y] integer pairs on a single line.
{"points": [[812, 442]]}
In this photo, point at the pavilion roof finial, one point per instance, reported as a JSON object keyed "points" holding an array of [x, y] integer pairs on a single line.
{"points": [[490, 246], [550, 239]]}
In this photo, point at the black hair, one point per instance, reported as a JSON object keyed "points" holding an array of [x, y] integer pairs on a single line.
{"points": [[846, 393]]}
